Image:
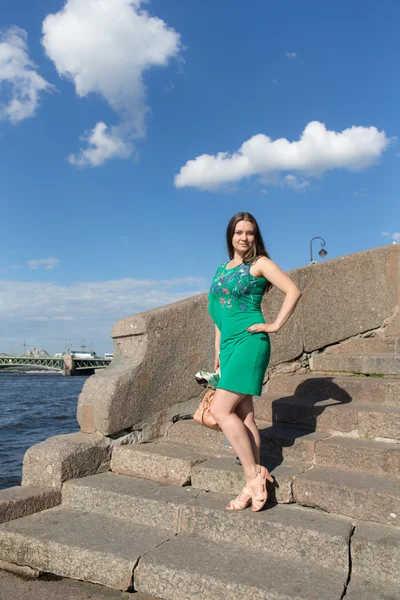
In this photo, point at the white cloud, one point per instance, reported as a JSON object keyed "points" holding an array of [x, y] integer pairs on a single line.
{"points": [[264, 192], [296, 183], [395, 236], [291, 55], [43, 263], [362, 193], [19, 79], [48, 313], [105, 47], [102, 145], [318, 150]]}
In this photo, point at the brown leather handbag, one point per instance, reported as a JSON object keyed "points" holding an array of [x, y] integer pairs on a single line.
{"points": [[203, 414]]}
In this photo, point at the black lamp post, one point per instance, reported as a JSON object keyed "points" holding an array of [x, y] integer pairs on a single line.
{"points": [[322, 253]]}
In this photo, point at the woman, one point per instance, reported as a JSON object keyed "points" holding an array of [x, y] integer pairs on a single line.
{"points": [[242, 346]]}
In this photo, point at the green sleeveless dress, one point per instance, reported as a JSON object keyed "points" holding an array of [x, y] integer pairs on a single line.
{"points": [[234, 303]]}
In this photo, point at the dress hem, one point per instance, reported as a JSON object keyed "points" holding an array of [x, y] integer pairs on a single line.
{"points": [[236, 391]]}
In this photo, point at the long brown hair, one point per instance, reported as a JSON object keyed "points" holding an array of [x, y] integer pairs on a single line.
{"points": [[259, 246]]}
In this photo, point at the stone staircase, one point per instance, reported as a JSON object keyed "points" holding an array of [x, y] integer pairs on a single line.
{"points": [[156, 521]]}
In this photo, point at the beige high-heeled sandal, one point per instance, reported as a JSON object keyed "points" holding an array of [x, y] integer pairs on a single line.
{"points": [[259, 502], [238, 504]]}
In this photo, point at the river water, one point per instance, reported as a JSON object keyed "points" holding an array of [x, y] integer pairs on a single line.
{"points": [[33, 407]]}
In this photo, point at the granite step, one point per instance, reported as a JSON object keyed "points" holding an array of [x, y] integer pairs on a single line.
{"points": [[160, 461], [14, 587], [375, 553], [137, 500], [290, 530], [282, 443], [370, 390], [360, 588], [223, 475], [373, 345], [190, 567], [375, 557], [182, 465], [370, 420], [368, 364], [355, 495], [362, 456], [79, 545], [285, 530]]}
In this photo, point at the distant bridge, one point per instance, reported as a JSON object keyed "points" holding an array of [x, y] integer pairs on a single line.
{"points": [[68, 364]]}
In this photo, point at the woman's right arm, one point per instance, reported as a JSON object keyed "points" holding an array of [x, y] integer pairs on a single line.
{"points": [[217, 347]]}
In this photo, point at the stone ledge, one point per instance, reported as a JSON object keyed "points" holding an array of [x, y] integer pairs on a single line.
{"points": [[19, 570], [20, 501], [64, 457], [79, 544], [190, 567], [355, 495], [375, 551], [163, 461], [365, 589], [225, 476]]}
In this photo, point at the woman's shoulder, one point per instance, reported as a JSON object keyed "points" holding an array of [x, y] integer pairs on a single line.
{"points": [[258, 266], [261, 260]]}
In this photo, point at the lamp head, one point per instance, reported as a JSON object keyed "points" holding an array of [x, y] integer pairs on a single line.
{"points": [[322, 253]]}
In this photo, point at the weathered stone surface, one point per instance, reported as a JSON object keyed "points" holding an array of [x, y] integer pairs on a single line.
{"points": [[13, 587], [285, 530], [363, 456], [324, 415], [375, 552], [223, 475], [137, 500], [365, 589], [276, 442], [299, 532], [384, 422], [163, 461], [365, 497], [329, 415], [192, 433], [196, 568], [392, 325], [153, 367], [81, 545], [20, 501], [359, 389], [373, 345], [288, 444], [64, 457], [18, 570], [379, 364], [285, 368], [348, 295]]}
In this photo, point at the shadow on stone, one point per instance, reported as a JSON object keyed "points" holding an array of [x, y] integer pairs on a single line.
{"points": [[297, 419]]}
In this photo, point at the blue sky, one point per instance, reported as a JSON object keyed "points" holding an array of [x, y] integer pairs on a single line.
{"points": [[89, 237]]}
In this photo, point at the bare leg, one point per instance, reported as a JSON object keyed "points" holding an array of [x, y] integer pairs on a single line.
{"points": [[245, 412], [223, 410]]}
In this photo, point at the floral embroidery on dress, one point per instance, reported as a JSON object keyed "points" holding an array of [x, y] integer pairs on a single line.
{"points": [[239, 282]]}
